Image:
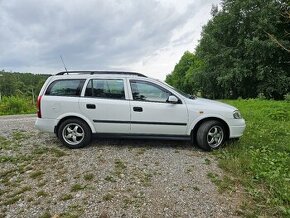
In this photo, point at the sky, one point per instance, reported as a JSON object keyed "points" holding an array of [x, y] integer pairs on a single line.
{"points": [[146, 36]]}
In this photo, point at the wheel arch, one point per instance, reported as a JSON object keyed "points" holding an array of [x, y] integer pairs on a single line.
{"points": [[73, 116], [198, 124]]}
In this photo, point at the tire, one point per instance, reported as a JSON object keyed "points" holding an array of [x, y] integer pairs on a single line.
{"points": [[74, 133], [211, 135]]}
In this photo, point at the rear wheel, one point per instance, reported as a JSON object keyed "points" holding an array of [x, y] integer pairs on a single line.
{"points": [[211, 135], [74, 133]]}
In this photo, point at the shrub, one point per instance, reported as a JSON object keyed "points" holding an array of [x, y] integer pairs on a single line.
{"points": [[287, 97], [16, 105]]}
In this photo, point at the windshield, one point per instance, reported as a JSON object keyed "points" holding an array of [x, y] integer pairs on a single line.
{"points": [[179, 91]]}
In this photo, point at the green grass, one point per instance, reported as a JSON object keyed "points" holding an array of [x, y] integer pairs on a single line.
{"points": [[77, 187], [120, 166], [66, 197], [89, 176], [36, 174], [41, 193], [260, 161]]}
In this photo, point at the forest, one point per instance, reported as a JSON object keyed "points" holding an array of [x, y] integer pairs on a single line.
{"points": [[23, 84], [244, 52]]}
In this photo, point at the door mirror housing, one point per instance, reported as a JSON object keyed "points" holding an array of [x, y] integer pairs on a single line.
{"points": [[172, 99]]}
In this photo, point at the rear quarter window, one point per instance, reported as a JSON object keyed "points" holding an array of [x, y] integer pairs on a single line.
{"points": [[68, 87]]}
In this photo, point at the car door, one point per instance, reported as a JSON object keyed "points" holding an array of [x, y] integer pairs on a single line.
{"points": [[152, 114], [105, 104]]}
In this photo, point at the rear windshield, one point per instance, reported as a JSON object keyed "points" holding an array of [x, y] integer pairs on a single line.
{"points": [[68, 87]]}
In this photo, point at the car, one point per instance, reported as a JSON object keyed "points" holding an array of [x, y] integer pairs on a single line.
{"points": [[77, 105]]}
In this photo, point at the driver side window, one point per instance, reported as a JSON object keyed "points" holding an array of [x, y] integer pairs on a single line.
{"points": [[146, 91]]}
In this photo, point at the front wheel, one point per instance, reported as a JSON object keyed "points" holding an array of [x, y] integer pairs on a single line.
{"points": [[210, 135], [74, 133]]}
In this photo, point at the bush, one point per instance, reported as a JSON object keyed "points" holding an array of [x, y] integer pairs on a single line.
{"points": [[287, 97], [16, 105]]}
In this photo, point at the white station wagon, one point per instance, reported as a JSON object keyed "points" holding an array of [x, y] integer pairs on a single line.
{"points": [[76, 105]]}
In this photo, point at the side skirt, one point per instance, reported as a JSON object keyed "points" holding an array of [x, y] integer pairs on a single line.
{"points": [[142, 136]]}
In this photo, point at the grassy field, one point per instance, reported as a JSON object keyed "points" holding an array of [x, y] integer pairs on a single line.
{"points": [[260, 160]]}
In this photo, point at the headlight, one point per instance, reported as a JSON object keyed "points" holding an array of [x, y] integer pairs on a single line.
{"points": [[237, 115]]}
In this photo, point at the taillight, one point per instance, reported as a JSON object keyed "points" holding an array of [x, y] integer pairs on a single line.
{"points": [[38, 106]]}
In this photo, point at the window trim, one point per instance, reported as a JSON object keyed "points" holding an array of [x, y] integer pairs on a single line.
{"points": [[157, 86], [80, 87], [91, 80]]}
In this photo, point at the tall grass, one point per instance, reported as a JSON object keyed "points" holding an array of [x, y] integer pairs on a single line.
{"points": [[16, 105], [260, 161]]}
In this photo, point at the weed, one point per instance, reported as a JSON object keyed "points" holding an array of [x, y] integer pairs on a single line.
{"points": [[12, 200], [46, 214], [89, 177], [41, 194], [120, 166], [36, 174], [110, 178], [143, 176], [17, 135], [74, 211], [57, 152], [22, 190], [77, 187], [207, 161], [108, 197], [224, 184], [66, 197]]}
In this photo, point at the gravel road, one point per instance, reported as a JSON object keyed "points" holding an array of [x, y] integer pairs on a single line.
{"points": [[109, 178]]}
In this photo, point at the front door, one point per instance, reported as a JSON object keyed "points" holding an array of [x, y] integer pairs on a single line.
{"points": [[152, 114], [105, 104]]}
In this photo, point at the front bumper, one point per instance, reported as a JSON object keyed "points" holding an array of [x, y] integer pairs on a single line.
{"points": [[237, 128]]}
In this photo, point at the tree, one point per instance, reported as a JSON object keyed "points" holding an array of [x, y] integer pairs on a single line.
{"points": [[244, 51], [238, 53], [184, 73]]}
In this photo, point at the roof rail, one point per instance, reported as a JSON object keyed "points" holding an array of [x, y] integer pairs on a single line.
{"points": [[101, 72]]}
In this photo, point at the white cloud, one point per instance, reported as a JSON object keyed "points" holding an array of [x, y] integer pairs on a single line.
{"points": [[146, 36]]}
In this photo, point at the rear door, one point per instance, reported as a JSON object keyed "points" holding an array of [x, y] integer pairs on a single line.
{"points": [[152, 114], [105, 104]]}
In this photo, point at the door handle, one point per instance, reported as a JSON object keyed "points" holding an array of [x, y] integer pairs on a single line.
{"points": [[91, 106], [138, 109]]}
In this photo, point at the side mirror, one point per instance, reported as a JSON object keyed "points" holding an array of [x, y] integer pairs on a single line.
{"points": [[172, 99]]}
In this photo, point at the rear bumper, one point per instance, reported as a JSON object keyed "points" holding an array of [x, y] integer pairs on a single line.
{"points": [[237, 130], [45, 125]]}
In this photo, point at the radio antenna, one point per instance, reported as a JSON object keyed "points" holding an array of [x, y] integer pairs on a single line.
{"points": [[63, 63]]}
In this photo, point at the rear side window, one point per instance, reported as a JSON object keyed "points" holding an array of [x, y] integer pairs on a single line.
{"points": [[102, 88], [69, 87]]}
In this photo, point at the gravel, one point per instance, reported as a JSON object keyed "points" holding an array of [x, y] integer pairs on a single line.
{"points": [[109, 178]]}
